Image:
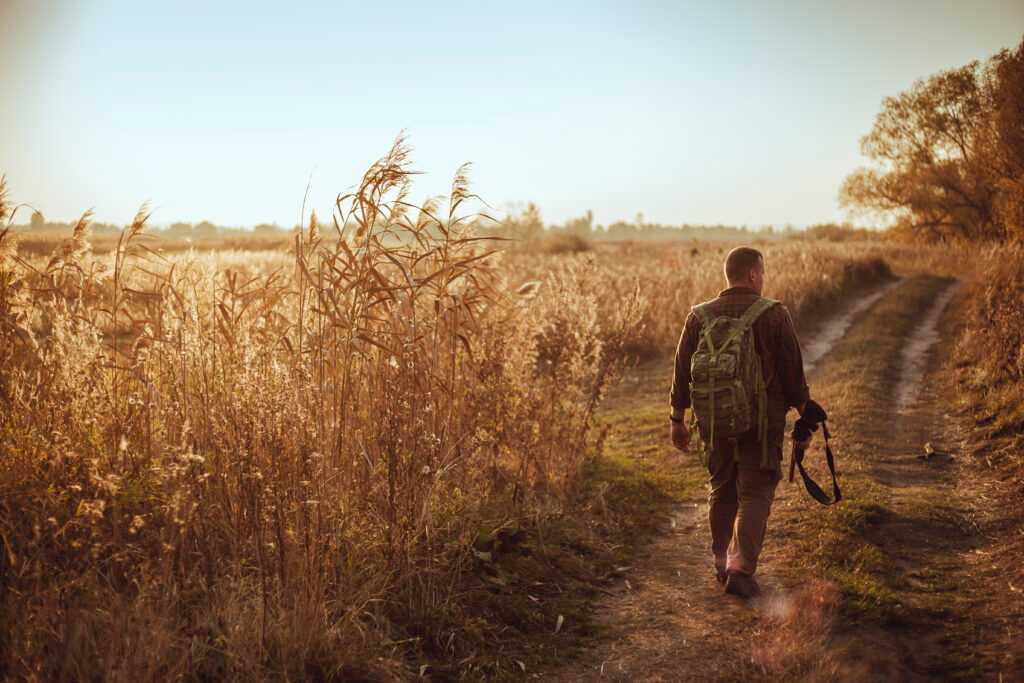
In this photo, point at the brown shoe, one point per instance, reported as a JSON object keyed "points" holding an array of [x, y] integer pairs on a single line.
{"points": [[720, 575], [742, 585]]}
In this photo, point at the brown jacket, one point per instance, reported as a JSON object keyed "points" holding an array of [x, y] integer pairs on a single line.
{"points": [[781, 362]]}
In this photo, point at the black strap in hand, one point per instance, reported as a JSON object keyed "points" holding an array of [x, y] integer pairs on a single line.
{"points": [[801, 432]]}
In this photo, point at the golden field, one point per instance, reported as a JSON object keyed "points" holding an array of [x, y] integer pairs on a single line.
{"points": [[279, 463]]}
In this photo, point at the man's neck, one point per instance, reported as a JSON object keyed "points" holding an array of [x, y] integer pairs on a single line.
{"points": [[743, 285]]}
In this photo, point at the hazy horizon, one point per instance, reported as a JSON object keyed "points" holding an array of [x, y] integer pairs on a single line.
{"points": [[692, 113]]}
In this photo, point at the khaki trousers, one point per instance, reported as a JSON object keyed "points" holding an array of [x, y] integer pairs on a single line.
{"points": [[738, 507]]}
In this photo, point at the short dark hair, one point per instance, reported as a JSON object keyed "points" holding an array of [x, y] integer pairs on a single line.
{"points": [[740, 262]]}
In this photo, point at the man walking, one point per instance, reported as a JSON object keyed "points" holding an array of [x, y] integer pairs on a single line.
{"points": [[744, 466]]}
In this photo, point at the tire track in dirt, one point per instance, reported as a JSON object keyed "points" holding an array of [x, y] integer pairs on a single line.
{"points": [[922, 533], [835, 327], [915, 356], [908, 615], [669, 620]]}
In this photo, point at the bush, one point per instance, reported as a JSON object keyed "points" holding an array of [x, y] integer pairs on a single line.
{"points": [[991, 346], [560, 243]]}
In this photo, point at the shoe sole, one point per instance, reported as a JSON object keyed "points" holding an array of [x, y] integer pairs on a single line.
{"points": [[732, 588]]}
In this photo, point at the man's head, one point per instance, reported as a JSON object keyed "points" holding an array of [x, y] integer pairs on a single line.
{"points": [[744, 267]]}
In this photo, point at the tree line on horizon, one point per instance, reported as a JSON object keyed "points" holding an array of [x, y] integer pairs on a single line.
{"points": [[526, 226]]}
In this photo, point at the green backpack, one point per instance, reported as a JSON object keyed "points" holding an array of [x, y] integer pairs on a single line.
{"points": [[727, 389]]}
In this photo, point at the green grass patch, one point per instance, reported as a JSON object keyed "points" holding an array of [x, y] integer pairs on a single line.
{"points": [[839, 542], [527, 574], [639, 478]]}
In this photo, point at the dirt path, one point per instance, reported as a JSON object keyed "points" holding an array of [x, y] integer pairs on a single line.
{"points": [[919, 629], [833, 329], [872, 589]]}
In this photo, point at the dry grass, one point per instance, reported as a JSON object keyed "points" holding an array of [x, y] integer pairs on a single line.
{"points": [[989, 370], [991, 348], [271, 474], [37, 243], [278, 464], [809, 277]]}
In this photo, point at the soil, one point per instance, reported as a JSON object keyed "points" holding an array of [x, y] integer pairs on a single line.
{"points": [[879, 587], [916, 352], [833, 328]]}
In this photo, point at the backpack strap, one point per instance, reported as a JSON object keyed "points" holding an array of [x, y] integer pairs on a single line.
{"points": [[701, 311], [755, 310], [762, 411], [705, 325], [749, 317], [742, 325]]}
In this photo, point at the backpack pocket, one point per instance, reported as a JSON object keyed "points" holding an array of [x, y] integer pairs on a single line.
{"points": [[724, 368], [726, 406]]}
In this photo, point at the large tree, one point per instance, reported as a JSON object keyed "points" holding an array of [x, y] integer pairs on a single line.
{"points": [[1007, 108], [948, 154]]}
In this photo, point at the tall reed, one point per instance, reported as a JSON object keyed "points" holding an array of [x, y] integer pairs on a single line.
{"points": [[276, 473]]}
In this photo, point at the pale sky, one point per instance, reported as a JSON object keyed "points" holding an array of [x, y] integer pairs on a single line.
{"points": [[711, 112]]}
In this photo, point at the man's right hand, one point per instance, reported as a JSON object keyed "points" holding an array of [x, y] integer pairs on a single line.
{"points": [[802, 431], [680, 436]]}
